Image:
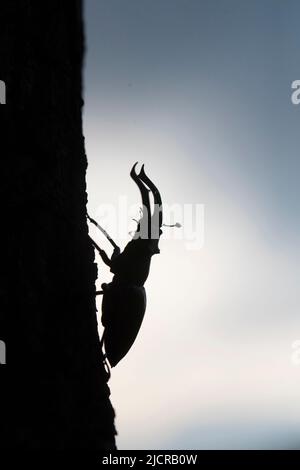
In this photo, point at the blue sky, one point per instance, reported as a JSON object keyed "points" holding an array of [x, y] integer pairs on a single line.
{"points": [[199, 91]]}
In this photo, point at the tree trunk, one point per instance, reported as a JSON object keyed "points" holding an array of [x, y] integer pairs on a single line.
{"points": [[53, 386]]}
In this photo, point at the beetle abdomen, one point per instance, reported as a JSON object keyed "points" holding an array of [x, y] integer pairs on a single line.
{"points": [[123, 309]]}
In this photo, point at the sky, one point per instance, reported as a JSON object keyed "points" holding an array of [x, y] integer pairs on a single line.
{"points": [[200, 92]]}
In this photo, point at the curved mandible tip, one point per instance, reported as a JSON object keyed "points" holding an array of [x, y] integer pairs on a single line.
{"points": [[133, 172], [142, 172]]}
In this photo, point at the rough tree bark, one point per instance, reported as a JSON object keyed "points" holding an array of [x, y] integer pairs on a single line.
{"points": [[53, 388]]}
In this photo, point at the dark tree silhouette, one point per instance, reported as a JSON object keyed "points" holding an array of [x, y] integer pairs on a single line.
{"points": [[53, 388]]}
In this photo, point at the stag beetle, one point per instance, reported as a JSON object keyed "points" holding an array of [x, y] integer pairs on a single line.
{"points": [[124, 299]]}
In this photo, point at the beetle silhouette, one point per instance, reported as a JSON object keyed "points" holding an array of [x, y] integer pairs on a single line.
{"points": [[124, 299]]}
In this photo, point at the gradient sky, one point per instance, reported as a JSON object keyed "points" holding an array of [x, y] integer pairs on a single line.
{"points": [[200, 91]]}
